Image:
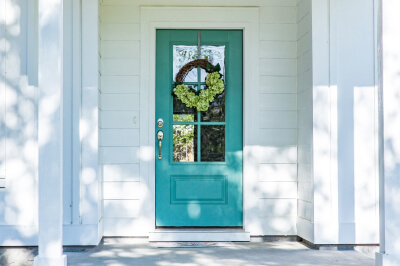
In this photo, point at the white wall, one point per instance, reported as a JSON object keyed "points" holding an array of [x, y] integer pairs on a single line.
{"points": [[305, 119], [119, 111], [18, 123], [278, 120]]}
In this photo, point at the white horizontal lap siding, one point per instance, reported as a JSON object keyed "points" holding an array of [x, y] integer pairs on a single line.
{"points": [[277, 206], [305, 120], [119, 118]]}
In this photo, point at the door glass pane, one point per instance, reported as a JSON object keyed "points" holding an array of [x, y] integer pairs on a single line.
{"points": [[182, 113], [213, 143], [215, 55], [184, 143], [216, 111], [183, 54]]}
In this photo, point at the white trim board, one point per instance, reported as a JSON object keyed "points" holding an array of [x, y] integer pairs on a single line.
{"points": [[246, 19], [27, 235]]}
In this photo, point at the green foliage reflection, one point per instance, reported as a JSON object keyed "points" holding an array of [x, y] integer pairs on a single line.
{"points": [[184, 145]]}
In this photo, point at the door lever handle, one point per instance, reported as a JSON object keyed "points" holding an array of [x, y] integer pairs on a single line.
{"points": [[160, 136]]}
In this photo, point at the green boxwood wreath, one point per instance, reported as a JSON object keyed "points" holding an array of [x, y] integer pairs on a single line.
{"points": [[215, 85]]}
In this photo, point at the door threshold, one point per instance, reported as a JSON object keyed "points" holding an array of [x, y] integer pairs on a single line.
{"points": [[201, 235]]}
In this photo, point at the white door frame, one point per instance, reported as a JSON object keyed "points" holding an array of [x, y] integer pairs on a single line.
{"points": [[246, 19]]}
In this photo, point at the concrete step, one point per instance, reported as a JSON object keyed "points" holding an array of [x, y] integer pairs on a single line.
{"points": [[207, 235]]}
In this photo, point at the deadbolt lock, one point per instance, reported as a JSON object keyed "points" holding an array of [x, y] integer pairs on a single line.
{"points": [[160, 122]]}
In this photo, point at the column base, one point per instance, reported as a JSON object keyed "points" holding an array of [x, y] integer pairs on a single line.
{"points": [[382, 259], [43, 261]]}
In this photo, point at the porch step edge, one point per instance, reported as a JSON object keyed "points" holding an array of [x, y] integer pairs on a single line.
{"points": [[193, 235]]}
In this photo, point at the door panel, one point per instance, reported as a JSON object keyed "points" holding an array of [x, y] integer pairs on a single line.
{"points": [[199, 176]]}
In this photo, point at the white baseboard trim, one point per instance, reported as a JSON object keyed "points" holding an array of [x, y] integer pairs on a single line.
{"points": [[27, 235], [167, 235], [18, 235]]}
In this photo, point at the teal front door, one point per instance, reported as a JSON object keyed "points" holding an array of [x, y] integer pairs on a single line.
{"points": [[199, 159]]}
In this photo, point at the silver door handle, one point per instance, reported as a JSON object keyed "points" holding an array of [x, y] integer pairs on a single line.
{"points": [[160, 136]]}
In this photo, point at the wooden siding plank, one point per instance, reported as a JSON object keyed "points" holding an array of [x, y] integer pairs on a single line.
{"points": [[119, 137], [305, 210], [305, 98], [120, 31], [303, 9], [277, 172], [120, 67], [304, 153], [278, 190], [304, 44], [120, 14], [304, 136], [304, 26], [278, 32], [111, 155], [278, 154], [278, 15], [119, 119], [121, 190], [305, 80], [278, 102], [304, 61], [125, 227], [120, 84], [305, 191], [120, 49], [277, 208], [278, 137], [276, 226], [278, 67], [121, 172], [304, 172], [270, 84], [278, 49], [278, 119], [119, 102], [122, 208]]}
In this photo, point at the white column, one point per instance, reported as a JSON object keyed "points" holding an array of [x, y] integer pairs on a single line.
{"points": [[90, 181], [344, 123], [389, 66], [50, 135]]}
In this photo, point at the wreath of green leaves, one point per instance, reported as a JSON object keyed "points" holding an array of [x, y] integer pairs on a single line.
{"points": [[201, 101]]}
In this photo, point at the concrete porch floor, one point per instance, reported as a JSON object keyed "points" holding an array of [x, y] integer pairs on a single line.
{"points": [[131, 251]]}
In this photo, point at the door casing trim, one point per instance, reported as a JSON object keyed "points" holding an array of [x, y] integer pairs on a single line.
{"points": [[238, 18]]}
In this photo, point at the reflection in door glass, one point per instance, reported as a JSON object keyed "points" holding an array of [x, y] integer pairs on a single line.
{"points": [[182, 113], [215, 55], [184, 143], [213, 143], [216, 110], [183, 54]]}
